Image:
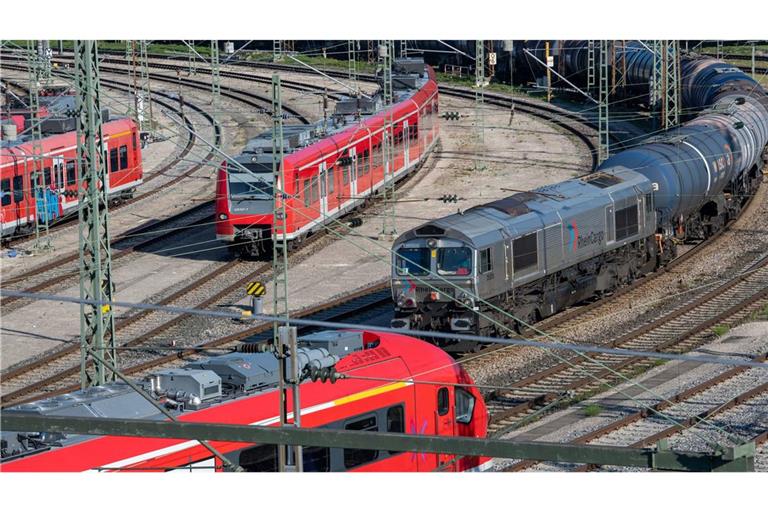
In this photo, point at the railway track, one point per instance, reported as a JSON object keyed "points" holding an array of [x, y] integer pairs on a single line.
{"points": [[30, 387], [680, 330], [699, 405]]}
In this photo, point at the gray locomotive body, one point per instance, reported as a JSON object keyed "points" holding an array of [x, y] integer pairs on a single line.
{"points": [[525, 257]]}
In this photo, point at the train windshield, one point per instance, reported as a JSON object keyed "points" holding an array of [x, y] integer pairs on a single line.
{"points": [[413, 261], [254, 184], [454, 261]]}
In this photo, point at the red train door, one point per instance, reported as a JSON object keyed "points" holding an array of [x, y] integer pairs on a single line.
{"points": [[444, 424]]}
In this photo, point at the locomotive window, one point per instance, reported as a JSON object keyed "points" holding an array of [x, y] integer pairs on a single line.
{"points": [[396, 421], [5, 189], [71, 172], [443, 405], [306, 192], [649, 203], [454, 261], [412, 261], [524, 253], [18, 189], [465, 405], [123, 157], [486, 265], [626, 222], [113, 161], [330, 180], [355, 457]]}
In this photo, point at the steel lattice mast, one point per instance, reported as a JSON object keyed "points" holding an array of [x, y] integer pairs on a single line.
{"points": [[42, 235], [480, 104], [97, 325], [671, 82], [215, 79], [280, 276], [386, 53], [604, 146], [352, 45]]}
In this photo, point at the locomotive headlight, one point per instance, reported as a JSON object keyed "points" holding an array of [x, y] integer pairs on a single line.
{"points": [[223, 216], [410, 302]]}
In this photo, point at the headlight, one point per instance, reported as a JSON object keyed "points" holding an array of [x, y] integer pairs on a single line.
{"points": [[223, 216], [410, 302]]}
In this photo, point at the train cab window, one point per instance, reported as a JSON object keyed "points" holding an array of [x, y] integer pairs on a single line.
{"points": [[626, 222], [123, 157], [465, 405], [306, 193], [331, 183], [454, 261], [18, 189], [113, 160], [5, 189], [486, 263], [356, 457], [414, 261], [443, 405], [71, 172], [525, 253], [649, 203]]}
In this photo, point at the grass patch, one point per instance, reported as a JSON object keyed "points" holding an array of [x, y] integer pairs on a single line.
{"points": [[720, 330], [592, 410]]}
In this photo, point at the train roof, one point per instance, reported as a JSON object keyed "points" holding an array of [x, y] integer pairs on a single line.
{"points": [[409, 77], [524, 211]]}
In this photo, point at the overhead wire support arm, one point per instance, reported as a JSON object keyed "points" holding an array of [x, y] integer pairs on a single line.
{"points": [[561, 77], [97, 324]]}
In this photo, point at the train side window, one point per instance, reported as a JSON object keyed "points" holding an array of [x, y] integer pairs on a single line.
{"points": [[123, 157], [57, 176], [465, 405], [133, 141], [355, 457], [443, 404], [71, 172], [113, 160], [330, 181], [626, 222], [396, 421], [306, 192], [5, 188], [316, 459], [486, 264], [18, 189], [47, 177], [259, 459], [525, 253], [315, 190]]}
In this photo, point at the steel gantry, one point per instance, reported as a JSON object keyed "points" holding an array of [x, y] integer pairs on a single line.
{"points": [[603, 128], [97, 325], [479, 163], [386, 54], [40, 182]]}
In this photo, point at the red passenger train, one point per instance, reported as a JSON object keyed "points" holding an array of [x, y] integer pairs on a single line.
{"points": [[329, 168], [56, 193], [391, 383]]}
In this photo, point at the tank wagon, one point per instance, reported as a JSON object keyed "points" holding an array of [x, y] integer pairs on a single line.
{"points": [[535, 253]]}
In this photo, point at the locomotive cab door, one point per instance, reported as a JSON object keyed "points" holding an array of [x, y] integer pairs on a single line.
{"points": [[445, 424]]}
